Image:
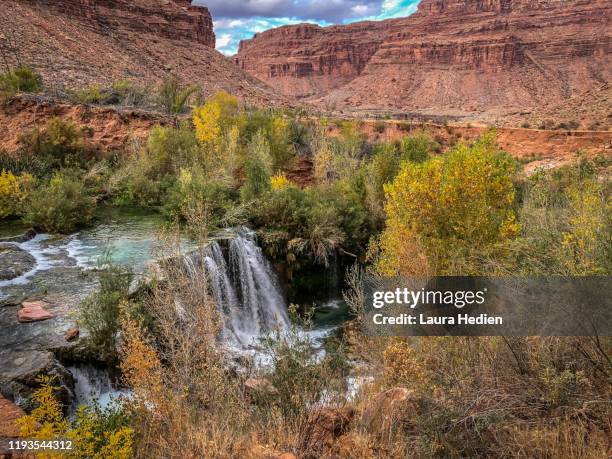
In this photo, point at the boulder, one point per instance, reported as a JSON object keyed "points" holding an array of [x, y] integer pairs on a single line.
{"points": [[29, 234], [324, 426], [71, 334], [387, 408], [14, 262], [10, 413], [33, 311], [19, 372]]}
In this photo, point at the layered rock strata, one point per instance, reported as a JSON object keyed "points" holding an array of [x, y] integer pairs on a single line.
{"points": [[459, 56]]}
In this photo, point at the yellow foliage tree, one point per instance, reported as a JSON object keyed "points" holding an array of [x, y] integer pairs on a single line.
{"points": [[446, 208], [585, 238], [13, 191], [218, 113]]}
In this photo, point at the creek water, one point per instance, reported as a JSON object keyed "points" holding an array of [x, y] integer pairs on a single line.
{"points": [[243, 282]]}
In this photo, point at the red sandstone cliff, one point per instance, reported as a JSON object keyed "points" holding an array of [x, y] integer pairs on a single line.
{"points": [[451, 56], [175, 19], [74, 43]]}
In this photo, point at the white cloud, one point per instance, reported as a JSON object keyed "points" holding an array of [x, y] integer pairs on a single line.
{"points": [[224, 40]]}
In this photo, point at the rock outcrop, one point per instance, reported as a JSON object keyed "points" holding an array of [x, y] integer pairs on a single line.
{"points": [[74, 44], [451, 56], [14, 261], [174, 19]]}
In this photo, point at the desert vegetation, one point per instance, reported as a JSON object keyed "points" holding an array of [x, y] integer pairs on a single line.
{"points": [[390, 208]]}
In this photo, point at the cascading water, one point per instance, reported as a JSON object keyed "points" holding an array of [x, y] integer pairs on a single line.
{"points": [[244, 286], [93, 384]]}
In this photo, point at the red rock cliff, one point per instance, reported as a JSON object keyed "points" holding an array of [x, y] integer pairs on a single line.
{"points": [[175, 19], [76, 43], [451, 55]]}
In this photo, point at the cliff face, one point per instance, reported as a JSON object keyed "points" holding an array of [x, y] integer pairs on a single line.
{"points": [[307, 59], [460, 56], [75, 43], [174, 19]]}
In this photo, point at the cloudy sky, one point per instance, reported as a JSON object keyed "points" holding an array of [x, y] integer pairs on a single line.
{"points": [[235, 20]]}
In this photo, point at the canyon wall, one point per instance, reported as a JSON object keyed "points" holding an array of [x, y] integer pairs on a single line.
{"points": [[456, 56], [174, 19], [77, 43]]}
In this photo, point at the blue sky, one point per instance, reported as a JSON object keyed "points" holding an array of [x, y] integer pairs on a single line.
{"points": [[235, 20]]}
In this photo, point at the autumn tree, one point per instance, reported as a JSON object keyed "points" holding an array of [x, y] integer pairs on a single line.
{"points": [[442, 212]]}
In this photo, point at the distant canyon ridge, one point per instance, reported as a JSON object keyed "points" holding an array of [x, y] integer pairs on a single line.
{"points": [[452, 57], [540, 61]]}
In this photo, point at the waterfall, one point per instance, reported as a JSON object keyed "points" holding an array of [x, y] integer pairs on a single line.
{"points": [[244, 286], [93, 384]]}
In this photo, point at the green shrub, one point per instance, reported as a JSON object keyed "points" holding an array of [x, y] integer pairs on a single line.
{"points": [[59, 144], [21, 79], [257, 167], [99, 313], [128, 93], [299, 378], [93, 94], [145, 178], [192, 193], [170, 149], [404, 126], [417, 148], [173, 97], [63, 205], [565, 219]]}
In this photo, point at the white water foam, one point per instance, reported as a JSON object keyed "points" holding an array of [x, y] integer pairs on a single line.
{"points": [[41, 253]]}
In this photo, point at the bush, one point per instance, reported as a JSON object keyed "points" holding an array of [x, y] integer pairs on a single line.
{"points": [[95, 432], [382, 169], [493, 385], [441, 210], [300, 379], [93, 94], [417, 148], [62, 205], [257, 168], [14, 191], [59, 144], [21, 79], [145, 178], [173, 96], [218, 114], [129, 94], [100, 312], [565, 219], [192, 193], [279, 182], [380, 127]]}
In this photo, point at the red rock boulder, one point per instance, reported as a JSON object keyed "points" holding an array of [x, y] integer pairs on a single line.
{"points": [[33, 311]]}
